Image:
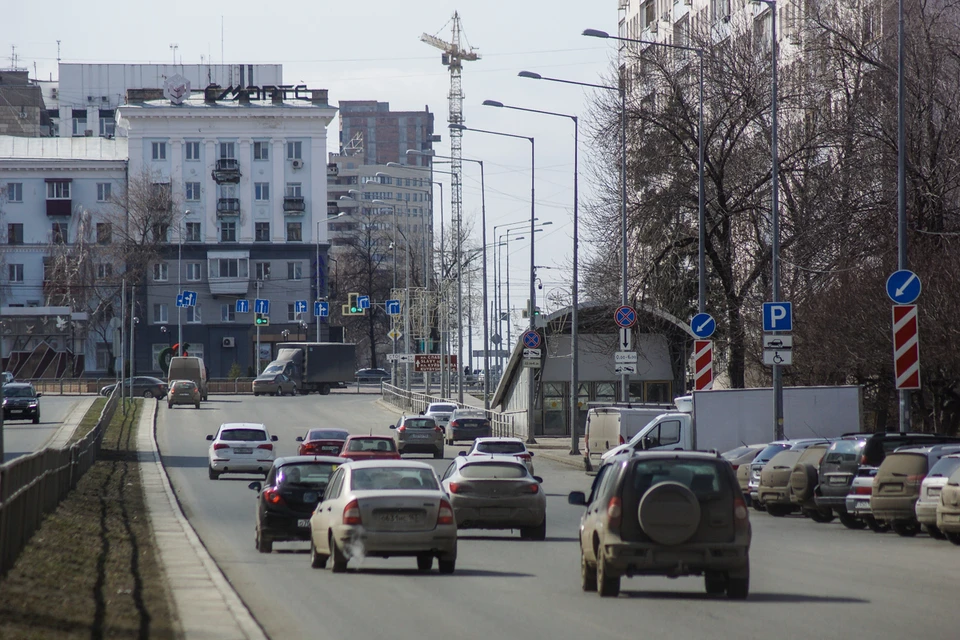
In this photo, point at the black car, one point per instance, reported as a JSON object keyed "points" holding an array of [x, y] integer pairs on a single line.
{"points": [[145, 386], [21, 402], [372, 375], [286, 499]]}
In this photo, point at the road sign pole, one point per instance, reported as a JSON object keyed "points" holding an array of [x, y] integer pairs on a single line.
{"points": [[257, 355]]}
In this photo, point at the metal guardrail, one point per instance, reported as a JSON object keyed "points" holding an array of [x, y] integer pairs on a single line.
{"points": [[503, 424], [79, 386], [33, 485]]}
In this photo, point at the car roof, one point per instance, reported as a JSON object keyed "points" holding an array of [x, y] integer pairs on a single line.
{"points": [[392, 464], [500, 439], [243, 425], [305, 459], [434, 404], [487, 457], [677, 455], [369, 437], [18, 385]]}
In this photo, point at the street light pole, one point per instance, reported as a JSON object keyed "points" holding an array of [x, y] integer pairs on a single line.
{"points": [[901, 189]]}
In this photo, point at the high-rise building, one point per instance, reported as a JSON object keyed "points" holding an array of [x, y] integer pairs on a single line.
{"points": [[385, 135]]}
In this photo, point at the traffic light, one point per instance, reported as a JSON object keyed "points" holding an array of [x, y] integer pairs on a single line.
{"points": [[352, 308], [261, 320], [526, 312]]}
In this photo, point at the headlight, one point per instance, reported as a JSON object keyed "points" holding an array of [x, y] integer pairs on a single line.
{"points": [[33, 403]]}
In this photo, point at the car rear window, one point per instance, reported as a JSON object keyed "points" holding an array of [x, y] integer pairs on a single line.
{"points": [[419, 423], [393, 479], [771, 450], [905, 464], [311, 473], [785, 459], [702, 477], [469, 415], [944, 467], [243, 435], [493, 471], [844, 451], [500, 447], [179, 385], [326, 434], [372, 444], [811, 455], [442, 408]]}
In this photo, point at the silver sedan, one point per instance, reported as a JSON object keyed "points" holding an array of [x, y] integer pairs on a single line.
{"points": [[496, 492], [384, 508]]}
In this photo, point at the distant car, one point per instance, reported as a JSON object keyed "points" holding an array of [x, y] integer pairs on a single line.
{"points": [[183, 392], [322, 442], [896, 487], [383, 508], [370, 448], [418, 434], [948, 509], [740, 459], [21, 402], [756, 467], [468, 424], [372, 375], [7, 377], [775, 491], [440, 412], [931, 489], [240, 447], [503, 446], [274, 384], [496, 492], [288, 496], [145, 386], [857, 502]]}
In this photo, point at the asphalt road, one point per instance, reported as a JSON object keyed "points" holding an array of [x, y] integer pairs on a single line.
{"points": [[808, 579], [22, 436]]}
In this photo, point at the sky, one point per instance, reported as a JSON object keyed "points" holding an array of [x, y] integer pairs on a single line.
{"points": [[372, 51]]}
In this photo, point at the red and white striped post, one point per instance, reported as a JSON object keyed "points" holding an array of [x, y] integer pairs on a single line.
{"points": [[906, 346], [702, 365]]}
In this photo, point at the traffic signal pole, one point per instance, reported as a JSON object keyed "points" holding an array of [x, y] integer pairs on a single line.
{"points": [[257, 355]]}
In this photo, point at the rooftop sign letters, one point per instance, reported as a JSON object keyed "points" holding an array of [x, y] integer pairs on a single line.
{"points": [[266, 92]]}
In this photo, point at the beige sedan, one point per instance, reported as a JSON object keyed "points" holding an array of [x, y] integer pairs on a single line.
{"points": [[183, 392], [384, 508]]}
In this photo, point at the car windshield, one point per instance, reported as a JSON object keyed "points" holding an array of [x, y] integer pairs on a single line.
{"points": [[326, 434], [739, 452], [180, 385], [272, 370], [702, 477], [243, 435], [473, 415], [442, 408], [500, 447], [768, 453], [844, 451], [18, 392], [944, 467], [419, 423], [314, 474], [371, 444], [493, 471], [393, 479]]}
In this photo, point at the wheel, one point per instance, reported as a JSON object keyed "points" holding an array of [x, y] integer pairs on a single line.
{"points": [[715, 583], [876, 526], [424, 562], [324, 389], [607, 586], [778, 510], [756, 504], [588, 574], [148, 394], [819, 516], [339, 559], [906, 528], [953, 537], [317, 560], [450, 441], [293, 391], [447, 565], [256, 395], [935, 532], [850, 522], [169, 405], [534, 533], [738, 584], [213, 474], [264, 545], [36, 419]]}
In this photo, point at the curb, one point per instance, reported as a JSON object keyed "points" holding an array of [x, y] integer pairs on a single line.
{"points": [[206, 606], [60, 437]]}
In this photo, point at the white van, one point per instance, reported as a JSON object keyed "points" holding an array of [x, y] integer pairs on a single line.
{"points": [[608, 427], [189, 368]]}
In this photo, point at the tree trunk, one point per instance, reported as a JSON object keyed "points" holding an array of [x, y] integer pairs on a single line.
{"points": [[737, 355]]}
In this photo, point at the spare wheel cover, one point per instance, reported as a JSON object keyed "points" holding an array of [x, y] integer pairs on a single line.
{"points": [[669, 513]]}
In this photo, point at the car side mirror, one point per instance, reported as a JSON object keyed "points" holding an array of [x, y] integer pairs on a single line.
{"points": [[538, 479], [299, 438], [209, 437], [462, 453], [392, 426], [39, 394], [646, 443], [274, 438], [421, 413], [256, 486], [531, 453], [577, 498]]}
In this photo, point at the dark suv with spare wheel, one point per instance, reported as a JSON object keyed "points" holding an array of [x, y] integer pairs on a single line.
{"points": [[677, 513]]}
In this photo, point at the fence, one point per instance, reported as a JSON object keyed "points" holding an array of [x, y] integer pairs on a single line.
{"points": [[32, 486], [78, 386], [502, 424]]}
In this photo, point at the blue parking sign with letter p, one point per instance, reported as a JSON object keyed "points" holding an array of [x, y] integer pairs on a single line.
{"points": [[778, 316]]}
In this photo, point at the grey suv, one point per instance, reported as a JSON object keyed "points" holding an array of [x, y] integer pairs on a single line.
{"points": [[676, 513]]}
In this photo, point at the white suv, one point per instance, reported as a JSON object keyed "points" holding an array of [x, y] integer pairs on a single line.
{"points": [[440, 412], [241, 447]]}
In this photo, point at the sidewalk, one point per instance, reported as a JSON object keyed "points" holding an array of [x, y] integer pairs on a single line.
{"points": [[65, 431], [206, 605]]}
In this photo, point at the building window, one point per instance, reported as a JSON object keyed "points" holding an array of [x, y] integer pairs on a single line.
{"points": [[161, 232], [261, 150], [294, 150], [14, 192], [291, 313], [193, 315], [294, 270], [193, 232], [160, 313], [161, 272], [294, 232], [105, 359], [193, 191], [59, 233], [193, 150], [262, 232], [228, 268], [15, 272], [261, 191], [104, 233], [263, 270], [103, 191], [58, 191], [294, 190], [15, 233], [158, 150], [193, 272], [228, 150], [228, 313], [228, 232], [104, 271]]}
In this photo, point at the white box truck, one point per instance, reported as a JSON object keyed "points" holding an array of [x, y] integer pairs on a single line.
{"points": [[728, 418]]}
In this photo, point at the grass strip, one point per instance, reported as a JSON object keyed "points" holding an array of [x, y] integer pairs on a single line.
{"points": [[91, 570], [89, 420]]}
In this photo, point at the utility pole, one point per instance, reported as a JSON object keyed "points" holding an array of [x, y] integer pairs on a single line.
{"points": [[257, 356]]}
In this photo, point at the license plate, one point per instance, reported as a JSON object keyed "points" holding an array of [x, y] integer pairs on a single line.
{"points": [[419, 436], [303, 524], [16, 410], [331, 449], [933, 491], [242, 450], [399, 518], [838, 480], [950, 517]]}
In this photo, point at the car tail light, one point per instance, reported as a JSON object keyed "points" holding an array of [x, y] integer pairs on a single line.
{"points": [[454, 423], [272, 496], [219, 445], [916, 480], [456, 487], [524, 456], [614, 512], [438, 429], [445, 513], [267, 446], [533, 488], [735, 466], [351, 513], [402, 428], [622, 441], [486, 423], [863, 459], [741, 518], [863, 490]]}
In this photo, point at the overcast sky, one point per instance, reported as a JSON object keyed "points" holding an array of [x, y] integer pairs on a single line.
{"points": [[371, 50]]}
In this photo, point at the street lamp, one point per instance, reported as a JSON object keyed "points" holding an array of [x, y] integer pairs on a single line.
{"points": [[406, 301], [622, 89], [180, 280], [574, 351], [496, 289]]}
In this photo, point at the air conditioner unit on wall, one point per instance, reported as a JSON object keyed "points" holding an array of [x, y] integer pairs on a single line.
{"points": [[298, 164], [229, 342]]}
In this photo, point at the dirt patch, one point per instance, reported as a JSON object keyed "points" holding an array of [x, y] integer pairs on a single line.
{"points": [[91, 570]]}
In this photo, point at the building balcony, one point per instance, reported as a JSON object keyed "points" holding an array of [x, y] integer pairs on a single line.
{"points": [[228, 206], [227, 170], [59, 207], [294, 204], [229, 286]]}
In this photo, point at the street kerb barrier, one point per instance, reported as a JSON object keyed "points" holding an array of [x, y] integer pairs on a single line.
{"points": [[503, 424], [33, 485]]}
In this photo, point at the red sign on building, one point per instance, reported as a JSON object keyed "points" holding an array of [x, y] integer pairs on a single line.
{"points": [[906, 346], [702, 364]]}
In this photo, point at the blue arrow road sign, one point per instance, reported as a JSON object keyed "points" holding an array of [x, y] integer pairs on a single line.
{"points": [[903, 286], [364, 302], [243, 306], [393, 307], [261, 305], [531, 339], [321, 309], [180, 300], [189, 298], [778, 316], [625, 316], [703, 325], [300, 306]]}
